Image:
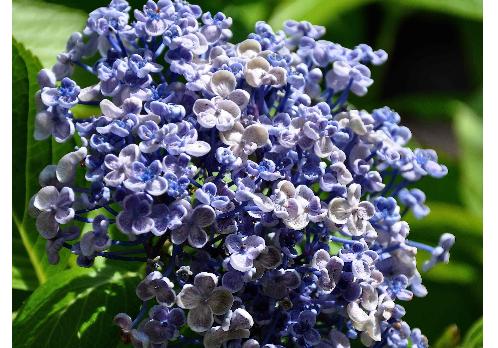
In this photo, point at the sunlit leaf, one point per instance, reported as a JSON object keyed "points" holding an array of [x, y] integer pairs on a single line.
{"points": [[468, 128], [44, 28], [474, 337], [75, 309]]}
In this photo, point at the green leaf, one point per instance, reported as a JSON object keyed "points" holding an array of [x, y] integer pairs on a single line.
{"points": [[323, 12], [449, 217], [464, 8], [468, 128], [449, 338], [30, 265], [44, 28], [75, 309], [474, 337], [315, 11]]}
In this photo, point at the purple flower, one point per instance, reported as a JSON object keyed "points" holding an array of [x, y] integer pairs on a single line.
{"points": [[96, 240], [120, 166], [330, 269], [146, 179], [303, 328], [386, 211], [243, 250], [204, 299], [193, 227], [168, 217], [154, 16], [66, 96], [351, 212], [135, 217], [208, 195], [163, 324], [360, 258], [55, 208], [414, 199], [55, 122], [441, 253], [265, 170], [158, 287]]}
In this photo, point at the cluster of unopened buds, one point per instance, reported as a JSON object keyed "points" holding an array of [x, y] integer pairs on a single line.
{"points": [[267, 210]]}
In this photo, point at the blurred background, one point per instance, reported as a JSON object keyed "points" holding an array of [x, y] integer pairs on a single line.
{"points": [[433, 79]]}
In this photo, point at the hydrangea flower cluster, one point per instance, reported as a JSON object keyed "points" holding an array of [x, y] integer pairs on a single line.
{"points": [[268, 211]]}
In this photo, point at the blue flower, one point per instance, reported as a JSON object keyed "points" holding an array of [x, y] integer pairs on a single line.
{"points": [[208, 195], [163, 324], [414, 199], [146, 179], [386, 211], [239, 161], [154, 16], [65, 96], [265, 170], [244, 250], [303, 328], [96, 240]]}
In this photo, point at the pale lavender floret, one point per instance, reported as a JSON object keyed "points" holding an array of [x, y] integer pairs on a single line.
{"points": [[168, 217], [330, 269], [303, 328], [221, 114], [53, 246], [208, 195], [168, 112], [441, 253], [65, 96], [351, 212], [214, 26], [152, 136], [362, 259], [204, 299], [142, 67], [183, 139], [243, 250], [163, 324], [155, 16], [235, 327], [193, 227], [265, 170], [105, 19], [120, 166], [55, 208], [68, 164], [425, 162], [96, 240], [414, 199], [148, 179], [158, 287], [135, 218], [55, 122], [343, 75]]}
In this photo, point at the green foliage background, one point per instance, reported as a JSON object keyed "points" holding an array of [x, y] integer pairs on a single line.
{"points": [[433, 79]]}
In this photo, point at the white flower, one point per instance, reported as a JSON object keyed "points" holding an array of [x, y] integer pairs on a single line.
{"points": [[248, 49], [223, 84], [367, 319], [259, 72], [218, 113], [351, 212], [244, 141]]}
